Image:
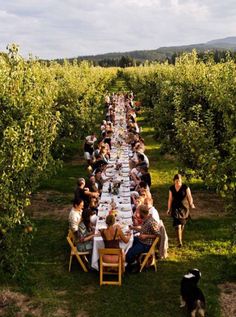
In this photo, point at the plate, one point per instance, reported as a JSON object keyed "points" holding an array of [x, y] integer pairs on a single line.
{"points": [[125, 194], [125, 208], [125, 170]]}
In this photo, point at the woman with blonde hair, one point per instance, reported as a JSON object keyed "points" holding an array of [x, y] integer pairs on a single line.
{"points": [[112, 235]]}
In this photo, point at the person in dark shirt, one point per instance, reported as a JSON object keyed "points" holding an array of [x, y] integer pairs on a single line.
{"points": [[98, 178], [145, 175], [107, 138], [92, 185], [98, 163], [142, 176], [82, 192], [179, 202]]}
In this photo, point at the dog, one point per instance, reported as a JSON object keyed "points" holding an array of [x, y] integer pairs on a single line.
{"points": [[191, 295]]}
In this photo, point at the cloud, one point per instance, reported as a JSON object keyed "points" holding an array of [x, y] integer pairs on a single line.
{"points": [[57, 28]]}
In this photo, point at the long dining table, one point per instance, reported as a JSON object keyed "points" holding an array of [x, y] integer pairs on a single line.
{"points": [[116, 192]]}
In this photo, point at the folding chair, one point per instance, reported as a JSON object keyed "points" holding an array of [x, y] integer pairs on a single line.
{"points": [[144, 257], [79, 255], [110, 268]]}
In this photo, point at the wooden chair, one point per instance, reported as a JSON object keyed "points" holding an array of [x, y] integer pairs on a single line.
{"points": [[79, 255], [110, 268], [144, 257]]}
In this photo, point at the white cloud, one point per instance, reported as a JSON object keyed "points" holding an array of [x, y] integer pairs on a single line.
{"points": [[67, 28]]}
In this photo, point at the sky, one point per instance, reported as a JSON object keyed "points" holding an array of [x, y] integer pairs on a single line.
{"points": [[70, 28]]}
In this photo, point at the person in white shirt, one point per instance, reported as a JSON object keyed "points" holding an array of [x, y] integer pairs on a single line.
{"points": [[103, 126], [89, 147], [153, 211], [75, 214]]}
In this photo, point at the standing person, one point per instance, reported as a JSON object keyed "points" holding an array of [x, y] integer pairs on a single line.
{"points": [[179, 202], [89, 147]]}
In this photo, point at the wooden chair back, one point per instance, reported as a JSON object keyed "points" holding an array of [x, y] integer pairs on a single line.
{"points": [[144, 257], [107, 268], [74, 252]]}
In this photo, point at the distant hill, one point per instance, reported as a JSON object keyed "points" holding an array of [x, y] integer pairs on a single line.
{"points": [[160, 54], [228, 42]]}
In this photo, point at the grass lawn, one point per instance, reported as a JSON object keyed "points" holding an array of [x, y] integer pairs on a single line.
{"points": [[52, 291]]}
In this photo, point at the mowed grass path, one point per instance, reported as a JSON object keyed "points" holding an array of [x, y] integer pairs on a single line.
{"points": [[56, 292]]}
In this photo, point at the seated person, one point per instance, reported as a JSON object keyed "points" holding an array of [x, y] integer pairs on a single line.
{"points": [[98, 148], [137, 220], [98, 178], [89, 147], [85, 233], [104, 153], [135, 177], [145, 175], [149, 230], [103, 126], [142, 175], [141, 200], [75, 214], [144, 192], [142, 158], [92, 184], [93, 207], [131, 138], [98, 162], [140, 146], [111, 237], [139, 158], [136, 169], [153, 211], [83, 192], [107, 138]]}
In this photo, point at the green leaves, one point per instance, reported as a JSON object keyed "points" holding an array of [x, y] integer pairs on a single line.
{"points": [[28, 127]]}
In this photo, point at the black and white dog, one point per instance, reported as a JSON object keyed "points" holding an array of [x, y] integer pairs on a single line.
{"points": [[191, 295]]}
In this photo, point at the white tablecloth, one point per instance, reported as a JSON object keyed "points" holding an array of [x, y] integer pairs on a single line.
{"points": [[120, 153]]}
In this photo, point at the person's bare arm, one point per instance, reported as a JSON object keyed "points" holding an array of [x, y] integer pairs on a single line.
{"points": [[170, 199], [190, 198], [91, 194], [124, 238]]}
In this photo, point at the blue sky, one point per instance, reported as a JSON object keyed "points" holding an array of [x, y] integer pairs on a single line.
{"points": [[69, 28]]}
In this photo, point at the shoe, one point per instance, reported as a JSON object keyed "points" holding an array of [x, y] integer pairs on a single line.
{"points": [[180, 245]]}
